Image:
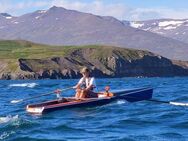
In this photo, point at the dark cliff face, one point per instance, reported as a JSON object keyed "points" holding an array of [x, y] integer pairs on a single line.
{"points": [[110, 63]]}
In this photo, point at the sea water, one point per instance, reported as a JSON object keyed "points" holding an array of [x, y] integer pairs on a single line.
{"points": [[120, 120]]}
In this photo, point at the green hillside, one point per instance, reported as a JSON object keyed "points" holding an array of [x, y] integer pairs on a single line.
{"points": [[27, 60], [11, 51], [29, 50]]}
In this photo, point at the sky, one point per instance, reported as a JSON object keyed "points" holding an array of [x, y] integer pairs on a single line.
{"points": [[121, 9]]}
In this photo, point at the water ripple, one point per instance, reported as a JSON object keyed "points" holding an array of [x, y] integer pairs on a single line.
{"points": [[117, 121]]}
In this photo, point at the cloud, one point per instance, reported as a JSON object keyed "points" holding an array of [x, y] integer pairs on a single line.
{"points": [[7, 6], [121, 10], [98, 7], [4, 6], [156, 13]]}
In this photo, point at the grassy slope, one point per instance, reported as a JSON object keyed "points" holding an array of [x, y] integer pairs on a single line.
{"points": [[29, 50], [11, 51]]}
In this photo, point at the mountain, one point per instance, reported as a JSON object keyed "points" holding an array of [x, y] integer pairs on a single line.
{"points": [[5, 19], [29, 60], [172, 28], [59, 26], [6, 15]]}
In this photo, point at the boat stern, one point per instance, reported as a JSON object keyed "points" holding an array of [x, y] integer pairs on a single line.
{"points": [[34, 110]]}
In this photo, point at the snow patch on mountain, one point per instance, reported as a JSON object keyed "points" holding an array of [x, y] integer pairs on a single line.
{"points": [[169, 27], [167, 23], [37, 17], [154, 23], [147, 29], [160, 32], [16, 22], [42, 11], [6, 16], [136, 25], [172, 28]]}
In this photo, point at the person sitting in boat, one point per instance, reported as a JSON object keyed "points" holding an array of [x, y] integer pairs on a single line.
{"points": [[85, 86]]}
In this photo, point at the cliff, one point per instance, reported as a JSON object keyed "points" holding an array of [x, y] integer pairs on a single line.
{"points": [[34, 61]]}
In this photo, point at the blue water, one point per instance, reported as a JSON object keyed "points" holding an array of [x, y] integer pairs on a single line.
{"points": [[120, 120]]}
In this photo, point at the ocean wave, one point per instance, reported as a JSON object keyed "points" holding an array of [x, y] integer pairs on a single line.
{"points": [[5, 135], [10, 124], [8, 119], [30, 85], [119, 102]]}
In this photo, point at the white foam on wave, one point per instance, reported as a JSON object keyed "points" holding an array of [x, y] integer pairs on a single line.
{"points": [[6, 135], [121, 102], [8, 119], [30, 85]]}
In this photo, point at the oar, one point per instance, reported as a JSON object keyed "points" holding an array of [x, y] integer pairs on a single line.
{"points": [[169, 102], [20, 100], [161, 101]]}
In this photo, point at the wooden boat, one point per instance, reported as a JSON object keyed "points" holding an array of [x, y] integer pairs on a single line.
{"points": [[130, 95]]}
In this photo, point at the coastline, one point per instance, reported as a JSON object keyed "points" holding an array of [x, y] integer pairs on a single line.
{"points": [[29, 60]]}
